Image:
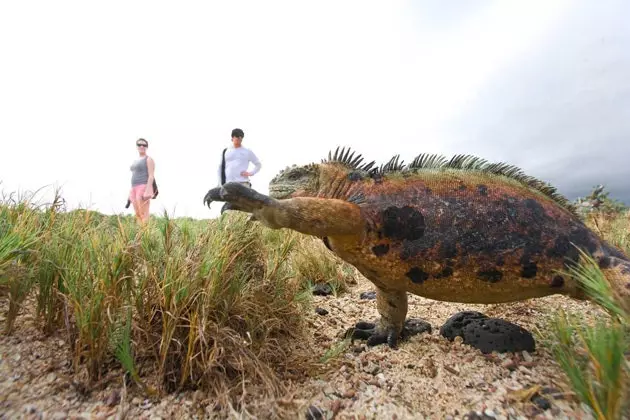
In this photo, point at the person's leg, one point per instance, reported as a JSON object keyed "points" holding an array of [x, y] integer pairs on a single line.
{"points": [[143, 204], [133, 197]]}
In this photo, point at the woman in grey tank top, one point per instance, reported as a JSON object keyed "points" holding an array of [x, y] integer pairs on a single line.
{"points": [[142, 177]]}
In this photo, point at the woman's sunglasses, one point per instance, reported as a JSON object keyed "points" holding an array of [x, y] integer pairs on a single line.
{"points": [[141, 145]]}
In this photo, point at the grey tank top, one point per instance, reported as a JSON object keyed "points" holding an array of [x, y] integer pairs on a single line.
{"points": [[139, 172]]}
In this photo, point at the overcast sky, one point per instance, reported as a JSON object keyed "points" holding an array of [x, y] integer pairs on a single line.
{"points": [[543, 85]]}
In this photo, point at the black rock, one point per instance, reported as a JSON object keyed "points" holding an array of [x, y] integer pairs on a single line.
{"points": [[322, 289], [368, 295], [321, 311], [488, 334], [474, 416], [414, 326], [542, 402], [454, 326], [314, 413]]}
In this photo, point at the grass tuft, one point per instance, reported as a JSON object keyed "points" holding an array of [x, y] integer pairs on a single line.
{"points": [[215, 305], [595, 357]]}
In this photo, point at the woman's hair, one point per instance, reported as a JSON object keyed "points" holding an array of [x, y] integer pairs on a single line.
{"points": [[141, 139]]}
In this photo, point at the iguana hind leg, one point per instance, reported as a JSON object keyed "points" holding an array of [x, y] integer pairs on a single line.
{"points": [[392, 306], [312, 216]]}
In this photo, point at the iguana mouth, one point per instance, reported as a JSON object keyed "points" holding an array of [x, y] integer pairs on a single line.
{"points": [[279, 192]]}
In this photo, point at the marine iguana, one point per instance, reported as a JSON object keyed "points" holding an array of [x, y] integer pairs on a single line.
{"points": [[459, 230]]}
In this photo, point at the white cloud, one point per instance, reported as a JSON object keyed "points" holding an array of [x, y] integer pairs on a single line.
{"points": [[82, 81]]}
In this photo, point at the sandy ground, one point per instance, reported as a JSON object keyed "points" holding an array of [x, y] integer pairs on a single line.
{"points": [[427, 377]]}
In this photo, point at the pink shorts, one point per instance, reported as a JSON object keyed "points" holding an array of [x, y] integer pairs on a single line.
{"points": [[136, 192]]}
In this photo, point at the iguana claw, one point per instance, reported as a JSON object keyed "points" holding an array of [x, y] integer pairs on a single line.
{"points": [[212, 195], [368, 330], [242, 197]]}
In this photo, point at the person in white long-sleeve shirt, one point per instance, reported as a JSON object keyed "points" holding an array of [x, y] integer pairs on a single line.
{"points": [[237, 160]]}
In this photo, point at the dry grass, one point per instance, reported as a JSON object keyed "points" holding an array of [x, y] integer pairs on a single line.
{"points": [[215, 305]]}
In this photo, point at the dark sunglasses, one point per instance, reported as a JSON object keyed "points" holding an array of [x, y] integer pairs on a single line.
{"points": [[142, 145]]}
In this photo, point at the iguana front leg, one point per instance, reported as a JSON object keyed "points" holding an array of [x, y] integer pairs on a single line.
{"points": [[312, 216]]}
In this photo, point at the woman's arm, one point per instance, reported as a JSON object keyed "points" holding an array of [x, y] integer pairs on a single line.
{"points": [[148, 191]]}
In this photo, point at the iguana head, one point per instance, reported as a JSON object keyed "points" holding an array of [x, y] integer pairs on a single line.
{"points": [[295, 181], [330, 178]]}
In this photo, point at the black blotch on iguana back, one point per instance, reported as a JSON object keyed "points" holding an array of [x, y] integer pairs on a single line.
{"points": [[529, 270], [557, 282], [417, 275], [403, 223], [380, 250]]}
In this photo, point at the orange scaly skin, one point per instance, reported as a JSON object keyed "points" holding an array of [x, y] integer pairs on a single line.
{"points": [[460, 231]]}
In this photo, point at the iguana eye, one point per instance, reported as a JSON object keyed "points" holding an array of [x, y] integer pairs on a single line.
{"points": [[293, 176]]}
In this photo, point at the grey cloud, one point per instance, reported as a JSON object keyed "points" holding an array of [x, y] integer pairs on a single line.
{"points": [[562, 111]]}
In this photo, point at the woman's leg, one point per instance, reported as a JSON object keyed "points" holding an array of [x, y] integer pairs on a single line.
{"points": [[144, 208], [137, 201], [142, 203], [133, 199]]}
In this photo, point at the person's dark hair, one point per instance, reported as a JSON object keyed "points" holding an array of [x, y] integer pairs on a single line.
{"points": [[237, 132], [141, 139]]}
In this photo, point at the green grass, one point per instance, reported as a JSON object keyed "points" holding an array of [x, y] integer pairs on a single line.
{"points": [[594, 357], [219, 305], [216, 305]]}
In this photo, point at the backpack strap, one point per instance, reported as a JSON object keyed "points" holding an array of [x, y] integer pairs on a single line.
{"points": [[223, 167], [155, 189]]}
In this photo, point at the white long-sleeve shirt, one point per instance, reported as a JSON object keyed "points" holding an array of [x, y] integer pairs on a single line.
{"points": [[237, 160]]}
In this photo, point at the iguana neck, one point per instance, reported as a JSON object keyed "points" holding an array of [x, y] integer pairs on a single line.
{"points": [[335, 183]]}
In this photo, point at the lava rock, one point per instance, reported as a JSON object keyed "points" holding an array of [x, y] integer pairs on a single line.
{"points": [[454, 326], [414, 326], [322, 289], [368, 295], [321, 311], [542, 402], [488, 334]]}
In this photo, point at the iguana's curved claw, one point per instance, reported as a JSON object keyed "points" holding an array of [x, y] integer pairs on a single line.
{"points": [[239, 196], [212, 195], [369, 330]]}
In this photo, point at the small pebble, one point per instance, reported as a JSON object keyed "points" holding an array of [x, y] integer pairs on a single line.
{"points": [[368, 295], [322, 290], [541, 402], [30, 409], [489, 413], [321, 311], [314, 413]]}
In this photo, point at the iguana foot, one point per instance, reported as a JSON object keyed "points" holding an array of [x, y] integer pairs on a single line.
{"points": [[238, 196], [375, 335]]}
